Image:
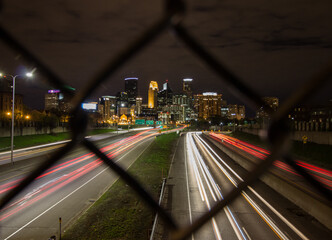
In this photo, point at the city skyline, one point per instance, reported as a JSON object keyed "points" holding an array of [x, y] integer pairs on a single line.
{"points": [[274, 48]]}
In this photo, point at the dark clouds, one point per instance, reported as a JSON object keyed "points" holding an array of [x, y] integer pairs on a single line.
{"points": [[273, 45]]}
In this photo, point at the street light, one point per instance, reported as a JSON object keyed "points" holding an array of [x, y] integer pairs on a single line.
{"points": [[29, 75]]}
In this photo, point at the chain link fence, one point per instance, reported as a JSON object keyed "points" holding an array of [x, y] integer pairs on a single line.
{"points": [[174, 13]]}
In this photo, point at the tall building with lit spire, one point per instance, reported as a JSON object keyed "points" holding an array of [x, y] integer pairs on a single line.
{"points": [[152, 94], [131, 90], [187, 90]]}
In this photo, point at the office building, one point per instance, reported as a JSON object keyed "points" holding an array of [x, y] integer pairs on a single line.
{"points": [[272, 102], [131, 90], [187, 90], [6, 103], [55, 99], [187, 86], [152, 94], [107, 106], [165, 96], [236, 111], [52, 99], [122, 103], [138, 108], [208, 105]]}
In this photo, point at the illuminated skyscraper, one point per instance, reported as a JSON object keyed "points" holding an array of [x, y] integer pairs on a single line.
{"points": [[152, 94], [52, 99], [208, 105], [187, 90], [187, 86], [131, 89], [139, 101], [236, 111], [107, 106], [165, 96]]}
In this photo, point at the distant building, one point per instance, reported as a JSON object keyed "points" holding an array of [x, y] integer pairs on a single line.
{"points": [[208, 105], [106, 107], [148, 113], [152, 94], [131, 90], [6, 103], [55, 99], [187, 89], [138, 108], [311, 118], [165, 96], [52, 99], [180, 99], [182, 111], [224, 109], [122, 104], [236, 112], [272, 102]]}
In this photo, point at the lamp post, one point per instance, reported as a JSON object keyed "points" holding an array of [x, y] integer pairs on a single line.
{"points": [[13, 108]]}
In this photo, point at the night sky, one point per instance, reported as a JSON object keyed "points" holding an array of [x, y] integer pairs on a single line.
{"points": [[274, 46]]}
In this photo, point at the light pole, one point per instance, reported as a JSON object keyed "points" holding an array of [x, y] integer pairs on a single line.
{"points": [[13, 108]]}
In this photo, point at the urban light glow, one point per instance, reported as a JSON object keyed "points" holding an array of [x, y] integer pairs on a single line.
{"points": [[29, 74], [210, 94], [54, 91]]}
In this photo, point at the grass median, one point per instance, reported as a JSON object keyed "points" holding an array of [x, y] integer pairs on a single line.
{"points": [[120, 213]]}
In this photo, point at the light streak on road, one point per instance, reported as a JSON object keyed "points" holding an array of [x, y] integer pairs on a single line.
{"points": [[264, 216], [121, 145], [322, 175], [59, 182], [195, 159]]}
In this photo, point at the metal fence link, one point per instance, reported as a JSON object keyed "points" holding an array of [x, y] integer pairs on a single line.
{"points": [[174, 13]]}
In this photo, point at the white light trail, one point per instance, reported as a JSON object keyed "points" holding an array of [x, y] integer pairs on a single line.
{"points": [[213, 187], [251, 202]]}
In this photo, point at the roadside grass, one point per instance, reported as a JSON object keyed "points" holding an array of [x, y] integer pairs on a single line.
{"points": [[120, 213], [33, 140], [318, 154]]}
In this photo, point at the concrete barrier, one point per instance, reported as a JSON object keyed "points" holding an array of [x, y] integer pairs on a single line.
{"points": [[313, 206]]}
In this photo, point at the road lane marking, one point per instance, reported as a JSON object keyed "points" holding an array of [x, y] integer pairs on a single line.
{"points": [[64, 198], [207, 176], [245, 231], [290, 225]]}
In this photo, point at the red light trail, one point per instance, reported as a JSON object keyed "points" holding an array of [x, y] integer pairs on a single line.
{"points": [[321, 174], [50, 187]]}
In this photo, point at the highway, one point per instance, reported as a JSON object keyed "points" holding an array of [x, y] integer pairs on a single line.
{"points": [[208, 175], [67, 189], [324, 176]]}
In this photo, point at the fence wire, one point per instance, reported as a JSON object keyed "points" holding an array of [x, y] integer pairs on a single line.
{"points": [[174, 13]]}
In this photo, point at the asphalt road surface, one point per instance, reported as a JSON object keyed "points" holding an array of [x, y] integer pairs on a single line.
{"points": [[201, 175], [67, 189]]}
